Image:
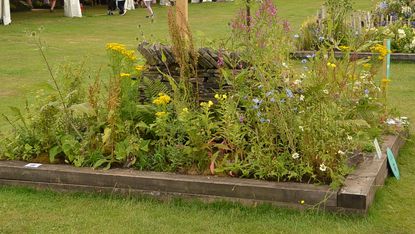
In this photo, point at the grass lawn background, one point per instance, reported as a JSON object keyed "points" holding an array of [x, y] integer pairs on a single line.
{"points": [[22, 73]]}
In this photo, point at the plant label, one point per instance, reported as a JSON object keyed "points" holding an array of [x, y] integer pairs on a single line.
{"points": [[377, 147], [33, 165], [392, 163]]}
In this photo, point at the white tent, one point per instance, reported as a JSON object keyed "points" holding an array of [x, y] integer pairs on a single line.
{"points": [[5, 12], [72, 8]]}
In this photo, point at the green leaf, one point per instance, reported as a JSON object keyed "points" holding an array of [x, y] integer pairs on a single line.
{"points": [[82, 109], [53, 152], [99, 163], [144, 145], [163, 57]]}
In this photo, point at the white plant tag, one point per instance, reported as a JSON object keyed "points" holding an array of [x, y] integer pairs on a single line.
{"points": [[33, 165], [377, 147]]}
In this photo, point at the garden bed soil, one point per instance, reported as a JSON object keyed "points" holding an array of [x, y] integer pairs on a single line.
{"points": [[355, 196], [339, 54]]}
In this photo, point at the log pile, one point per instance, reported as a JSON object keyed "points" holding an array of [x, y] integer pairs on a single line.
{"points": [[161, 61]]}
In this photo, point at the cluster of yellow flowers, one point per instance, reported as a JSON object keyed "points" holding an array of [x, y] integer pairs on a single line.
{"points": [[332, 65], [206, 104], [382, 50], [120, 48], [161, 114], [125, 75], [219, 97], [162, 99]]}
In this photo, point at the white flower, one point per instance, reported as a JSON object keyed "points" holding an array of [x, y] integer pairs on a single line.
{"points": [[341, 152], [323, 167], [325, 91], [303, 76], [297, 82], [401, 33], [349, 138], [301, 128], [302, 97], [390, 121], [295, 155], [285, 65]]}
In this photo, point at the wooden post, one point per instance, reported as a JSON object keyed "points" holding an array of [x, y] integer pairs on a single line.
{"points": [[182, 15]]}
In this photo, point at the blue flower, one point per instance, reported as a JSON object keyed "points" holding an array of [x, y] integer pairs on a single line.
{"points": [[366, 91], [289, 93], [321, 38]]}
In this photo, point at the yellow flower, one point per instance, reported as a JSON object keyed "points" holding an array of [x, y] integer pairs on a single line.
{"points": [[162, 99], [224, 96], [302, 202], [185, 110], [332, 65], [367, 65], [206, 104], [381, 50], [385, 82], [217, 96], [139, 68], [161, 114], [344, 47], [125, 75]]}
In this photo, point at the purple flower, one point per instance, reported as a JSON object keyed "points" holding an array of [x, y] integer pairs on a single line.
{"points": [[241, 119], [366, 91]]}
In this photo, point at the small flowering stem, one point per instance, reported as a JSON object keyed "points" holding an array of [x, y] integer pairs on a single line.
{"points": [[65, 107]]}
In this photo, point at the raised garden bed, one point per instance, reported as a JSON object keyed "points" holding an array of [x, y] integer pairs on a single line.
{"points": [[339, 54], [355, 196]]}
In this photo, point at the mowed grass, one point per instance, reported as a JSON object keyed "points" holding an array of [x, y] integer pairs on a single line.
{"points": [[22, 72]]}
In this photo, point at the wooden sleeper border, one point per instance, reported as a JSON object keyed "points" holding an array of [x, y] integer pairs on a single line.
{"points": [[338, 54], [355, 196]]}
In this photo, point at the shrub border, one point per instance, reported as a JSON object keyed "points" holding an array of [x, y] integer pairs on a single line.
{"points": [[355, 196]]}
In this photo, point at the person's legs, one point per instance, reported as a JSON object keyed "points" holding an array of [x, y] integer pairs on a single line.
{"points": [[52, 5], [111, 7], [148, 5], [121, 7]]}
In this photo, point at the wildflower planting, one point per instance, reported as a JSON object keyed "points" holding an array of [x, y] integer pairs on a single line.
{"points": [[278, 120]]}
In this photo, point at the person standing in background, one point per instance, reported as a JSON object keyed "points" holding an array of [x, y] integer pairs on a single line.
{"points": [[149, 10], [121, 5], [111, 6], [52, 5]]}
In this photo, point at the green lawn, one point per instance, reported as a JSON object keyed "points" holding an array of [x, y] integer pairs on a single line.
{"points": [[71, 40]]}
